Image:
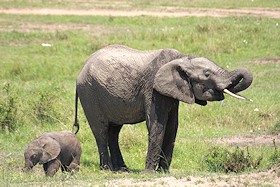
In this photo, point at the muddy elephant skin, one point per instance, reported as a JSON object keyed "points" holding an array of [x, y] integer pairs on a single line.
{"points": [[120, 85]]}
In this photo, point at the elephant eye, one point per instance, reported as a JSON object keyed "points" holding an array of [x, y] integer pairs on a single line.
{"points": [[207, 74], [33, 156]]}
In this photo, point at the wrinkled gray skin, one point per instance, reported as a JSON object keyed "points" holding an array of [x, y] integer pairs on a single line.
{"points": [[54, 150], [119, 85]]}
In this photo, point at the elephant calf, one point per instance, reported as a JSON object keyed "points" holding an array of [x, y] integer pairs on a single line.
{"points": [[54, 150]]}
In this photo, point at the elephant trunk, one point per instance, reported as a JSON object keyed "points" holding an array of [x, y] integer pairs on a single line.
{"points": [[241, 79], [28, 165]]}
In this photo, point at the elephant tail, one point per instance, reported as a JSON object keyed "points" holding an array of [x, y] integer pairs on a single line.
{"points": [[76, 122]]}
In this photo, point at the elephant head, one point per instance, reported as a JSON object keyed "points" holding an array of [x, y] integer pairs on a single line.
{"points": [[41, 150], [198, 80], [191, 80]]}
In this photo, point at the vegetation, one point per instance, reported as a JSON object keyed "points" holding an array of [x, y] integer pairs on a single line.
{"points": [[41, 57], [8, 110], [222, 160], [140, 4], [275, 157]]}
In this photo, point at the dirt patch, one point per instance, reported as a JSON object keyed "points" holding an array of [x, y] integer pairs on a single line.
{"points": [[35, 27], [99, 30], [159, 12], [275, 60], [249, 140], [267, 178]]}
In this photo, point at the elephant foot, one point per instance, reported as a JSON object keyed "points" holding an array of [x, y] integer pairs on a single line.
{"points": [[105, 167], [122, 169], [73, 167], [148, 171], [50, 173], [158, 170], [162, 170]]}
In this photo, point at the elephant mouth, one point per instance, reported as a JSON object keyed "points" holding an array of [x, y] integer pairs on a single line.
{"points": [[209, 95], [217, 95], [212, 95]]}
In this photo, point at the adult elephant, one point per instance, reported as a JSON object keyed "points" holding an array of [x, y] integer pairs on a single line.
{"points": [[119, 85]]}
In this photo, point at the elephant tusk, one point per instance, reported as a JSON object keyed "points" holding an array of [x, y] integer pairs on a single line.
{"points": [[236, 96]]}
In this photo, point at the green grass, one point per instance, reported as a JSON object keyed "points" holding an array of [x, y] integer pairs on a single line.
{"points": [[42, 83], [141, 4]]}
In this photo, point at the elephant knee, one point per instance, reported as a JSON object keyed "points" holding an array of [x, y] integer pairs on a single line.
{"points": [[51, 168], [50, 172]]}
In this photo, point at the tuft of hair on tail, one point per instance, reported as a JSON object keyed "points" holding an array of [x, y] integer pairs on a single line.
{"points": [[76, 126]]}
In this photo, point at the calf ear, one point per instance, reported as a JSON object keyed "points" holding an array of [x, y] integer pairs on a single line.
{"points": [[50, 149], [172, 80]]}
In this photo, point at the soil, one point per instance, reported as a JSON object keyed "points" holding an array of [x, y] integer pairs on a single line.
{"points": [[241, 141], [263, 178], [160, 12]]}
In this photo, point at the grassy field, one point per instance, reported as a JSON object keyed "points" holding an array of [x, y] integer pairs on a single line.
{"points": [[37, 85], [140, 4]]}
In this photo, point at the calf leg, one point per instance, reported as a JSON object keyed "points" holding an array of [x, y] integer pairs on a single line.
{"points": [[51, 167], [75, 164]]}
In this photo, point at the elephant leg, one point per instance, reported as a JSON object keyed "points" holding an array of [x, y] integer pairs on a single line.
{"points": [[154, 146], [169, 140], [51, 167], [75, 164], [64, 168], [99, 127], [101, 137], [157, 124], [113, 142]]}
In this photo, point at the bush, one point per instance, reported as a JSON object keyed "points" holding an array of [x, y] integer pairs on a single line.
{"points": [[44, 108], [276, 128], [223, 160], [274, 159], [8, 109]]}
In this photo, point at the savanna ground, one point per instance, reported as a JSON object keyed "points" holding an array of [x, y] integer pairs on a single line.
{"points": [[43, 45]]}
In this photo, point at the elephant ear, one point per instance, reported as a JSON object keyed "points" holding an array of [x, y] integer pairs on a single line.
{"points": [[50, 149], [171, 80]]}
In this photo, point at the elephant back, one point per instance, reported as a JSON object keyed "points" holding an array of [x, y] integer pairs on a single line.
{"points": [[69, 144], [116, 67]]}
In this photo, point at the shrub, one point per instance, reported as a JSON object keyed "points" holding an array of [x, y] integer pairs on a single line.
{"points": [[43, 108], [223, 160], [276, 128], [8, 110], [274, 159]]}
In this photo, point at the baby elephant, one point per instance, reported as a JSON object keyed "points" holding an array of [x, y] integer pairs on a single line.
{"points": [[54, 150]]}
